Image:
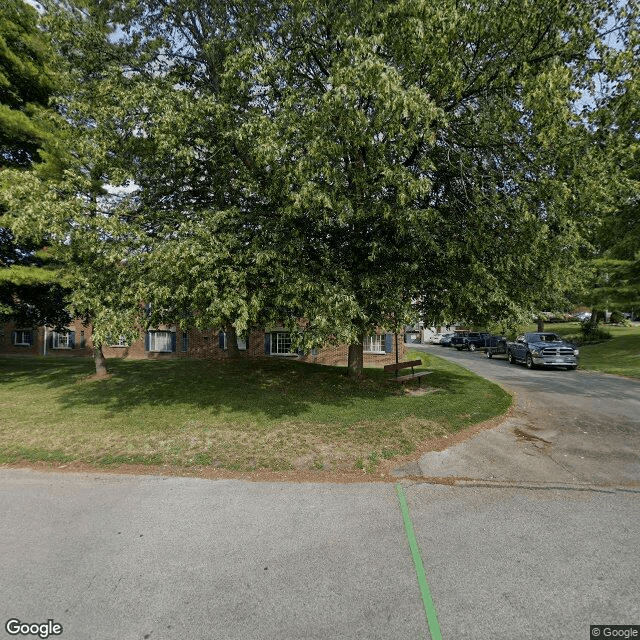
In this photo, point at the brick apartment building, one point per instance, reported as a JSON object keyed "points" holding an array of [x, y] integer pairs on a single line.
{"points": [[171, 342]]}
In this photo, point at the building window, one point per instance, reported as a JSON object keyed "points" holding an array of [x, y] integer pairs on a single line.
{"points": [[160, 341], [63, 339], [23, 337], [185, 341], [280, 343], [374, 344], [120, 342]]}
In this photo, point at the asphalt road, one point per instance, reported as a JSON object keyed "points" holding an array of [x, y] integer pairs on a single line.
{"points": [[568, 428], [149, 558], [538, 540]]}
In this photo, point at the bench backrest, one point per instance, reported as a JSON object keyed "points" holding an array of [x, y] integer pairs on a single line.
{"points": [[402, 365]]}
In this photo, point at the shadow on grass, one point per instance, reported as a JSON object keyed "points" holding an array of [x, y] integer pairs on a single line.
{"points": [[276, 388]]}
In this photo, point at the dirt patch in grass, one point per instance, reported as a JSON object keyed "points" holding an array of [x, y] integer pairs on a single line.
{"points": [[421, 391]]}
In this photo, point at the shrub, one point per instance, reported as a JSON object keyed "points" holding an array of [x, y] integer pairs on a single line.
{"points": [[618, 318], [592, 333]]}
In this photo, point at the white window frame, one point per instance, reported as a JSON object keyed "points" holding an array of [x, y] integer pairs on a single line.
{"points": [[374, 344], [280, 339], [60, 339], [22, 343], [153, 336], [121, 342]]}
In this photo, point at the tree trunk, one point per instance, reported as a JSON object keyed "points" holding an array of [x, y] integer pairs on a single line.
{"points": [[540, 324], [101, 363], [594, 320], [356, 361]]}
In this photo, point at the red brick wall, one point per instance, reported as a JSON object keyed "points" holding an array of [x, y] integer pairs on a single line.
{"points": [[83, 346], [339, 355], [201, 344], [6, 341]]}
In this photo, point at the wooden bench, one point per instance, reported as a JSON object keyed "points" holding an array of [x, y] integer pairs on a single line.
{"points": [[414, 375]]}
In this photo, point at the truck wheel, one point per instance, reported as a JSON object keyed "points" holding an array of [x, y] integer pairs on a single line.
{"points": [[472, 347], [529, 362], [510, 358], [488, 354]]}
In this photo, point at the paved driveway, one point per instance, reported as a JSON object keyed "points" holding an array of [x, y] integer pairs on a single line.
{"points": [[146, 558], [568, 428]]}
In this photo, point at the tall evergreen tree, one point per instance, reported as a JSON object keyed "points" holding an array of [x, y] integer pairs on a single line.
{"points": [[31, 291]]}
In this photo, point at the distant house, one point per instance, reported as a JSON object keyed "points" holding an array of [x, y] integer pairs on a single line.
{"points": [[167, 341], [421, 333]]}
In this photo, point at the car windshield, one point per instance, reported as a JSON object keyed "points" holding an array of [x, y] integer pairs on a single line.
{"points": [[542, 337]]}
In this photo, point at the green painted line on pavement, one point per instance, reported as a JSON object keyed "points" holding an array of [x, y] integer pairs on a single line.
{"points": [[429, 608]]}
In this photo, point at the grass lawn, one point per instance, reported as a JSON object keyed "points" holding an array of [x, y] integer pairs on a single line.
{"points": [[272, 414], [620, 355]]}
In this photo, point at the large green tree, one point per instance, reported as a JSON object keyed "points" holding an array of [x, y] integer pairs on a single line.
{"points": [[339, 164], [31, 287], [66, 202], [26, 84], [368, 157], [614, 260]]}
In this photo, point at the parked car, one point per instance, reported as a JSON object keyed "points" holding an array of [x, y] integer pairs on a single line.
{"points": [[445, 341], [458, 337], [435, 338], [542, 350], [470, 340], [582, 316]]}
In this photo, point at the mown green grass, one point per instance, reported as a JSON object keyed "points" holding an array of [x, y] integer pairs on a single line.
{"points": [[620, 355], [274, 414]]}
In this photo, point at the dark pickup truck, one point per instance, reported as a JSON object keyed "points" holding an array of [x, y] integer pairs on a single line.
{"points": [[542, 350], [471, 340]]}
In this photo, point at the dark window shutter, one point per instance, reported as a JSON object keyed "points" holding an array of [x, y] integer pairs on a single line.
{"points": [[173, 341], [388, 343], [147, 309], [185, 341], [267, 343], [14, 337], [72, 339], [147, 340], [221, 340], [50, 340]]}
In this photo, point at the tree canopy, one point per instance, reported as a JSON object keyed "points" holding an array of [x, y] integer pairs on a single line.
{"points": [[26, 83], [31, 291], [615, 235], [332, 168]]}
